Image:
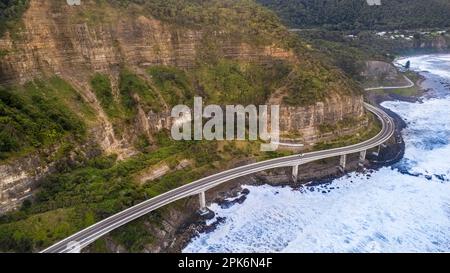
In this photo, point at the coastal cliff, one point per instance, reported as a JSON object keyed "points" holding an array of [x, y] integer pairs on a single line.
{"points": [[103, 77]]}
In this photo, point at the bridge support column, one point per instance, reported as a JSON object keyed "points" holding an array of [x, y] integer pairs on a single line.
{"points": [[202, 200], [362, 155], [295, 173], [377, 153], [343, 162]]}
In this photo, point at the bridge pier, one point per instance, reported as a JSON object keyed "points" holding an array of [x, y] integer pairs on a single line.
{"points": [[377, 153], [202, 200], [295, 173], [343, 162], [362, 158], [362, 155]]}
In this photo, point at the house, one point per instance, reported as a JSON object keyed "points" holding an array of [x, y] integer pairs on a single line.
{"points": [[73, 2], [374, 2]]}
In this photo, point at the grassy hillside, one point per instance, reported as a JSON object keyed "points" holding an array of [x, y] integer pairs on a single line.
{"points": [[357, 14]]}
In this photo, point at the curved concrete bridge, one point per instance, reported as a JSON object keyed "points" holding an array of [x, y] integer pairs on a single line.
{"points": [[88, 235]]}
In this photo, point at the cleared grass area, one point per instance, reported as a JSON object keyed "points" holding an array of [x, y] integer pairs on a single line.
{"points": [[405, 92], [413, 91]]}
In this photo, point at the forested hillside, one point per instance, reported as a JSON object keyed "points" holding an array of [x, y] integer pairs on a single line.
{"points": [[357, 14]]}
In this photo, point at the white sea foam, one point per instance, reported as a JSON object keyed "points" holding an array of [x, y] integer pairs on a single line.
{"points": [[405, 208], [427, 135], [433, 64], [363, 215]]}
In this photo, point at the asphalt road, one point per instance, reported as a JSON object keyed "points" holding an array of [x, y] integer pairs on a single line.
{"points": [[409, 85], [92, 233]]}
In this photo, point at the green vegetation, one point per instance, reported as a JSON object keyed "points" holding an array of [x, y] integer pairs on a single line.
{"points": [[305, 89], [372, 130], [343, 124], [310, 83], [134, 90], [405, 92], [42, 229], [75, 198], [173, 83], [416, 90], [98, 189], [47, 112], [221, 82], [343, 32], [3, 53], [133, 236], [39, 114], [102, 88], [230, 82], [349, 50], [10, 13], [348, 55], [244, 19], [357, 14]]}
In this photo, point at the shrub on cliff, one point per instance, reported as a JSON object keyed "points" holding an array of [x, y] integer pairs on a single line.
{"points": [[30, 119], [10, 12]]}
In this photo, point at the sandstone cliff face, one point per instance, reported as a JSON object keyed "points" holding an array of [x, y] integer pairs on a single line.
{"points": [[425, 44], [71, 42], [378, 73], [379, 69], [440, 43], [52, 41], [55, 40], [19, 179], [304, 121], [16, 182], [60, 39]]}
